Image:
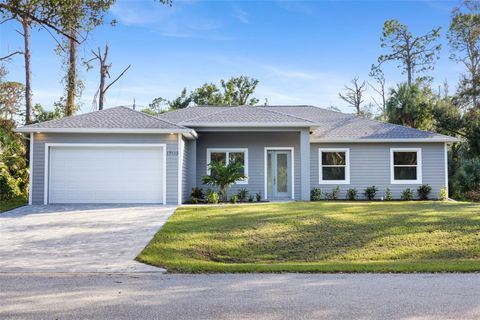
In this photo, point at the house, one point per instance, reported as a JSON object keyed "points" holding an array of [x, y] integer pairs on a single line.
{"points": [[119, 155]]}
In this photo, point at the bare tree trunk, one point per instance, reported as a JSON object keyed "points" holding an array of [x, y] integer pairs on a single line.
{"points": [[72, 75], [28, 72], [101, 93]]}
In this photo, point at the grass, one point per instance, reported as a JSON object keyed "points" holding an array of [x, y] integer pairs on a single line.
{"points": [[320, 237], [6, 205]]}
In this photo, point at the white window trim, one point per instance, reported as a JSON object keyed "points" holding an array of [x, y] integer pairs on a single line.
{"points": [[228, 150], [46, 176], [418, 166], [347, 166]]}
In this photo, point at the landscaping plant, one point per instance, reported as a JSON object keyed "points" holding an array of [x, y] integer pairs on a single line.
{"points": [[213, 197], [250, 198], [370, 192], [258, 196], [242, 194], [315, 194], [407, 194], [443, 195], [352, 194], [423, 191], [388, 194], [234, 199], [223, 176], [335, 193], [197, 195]]}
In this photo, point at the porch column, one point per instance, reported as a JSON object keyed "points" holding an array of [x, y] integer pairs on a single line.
{"points": [[305, 164]]}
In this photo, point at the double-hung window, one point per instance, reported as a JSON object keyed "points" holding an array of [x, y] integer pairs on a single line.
{"points": [[334, 166], [406, 165], [228, 155]]}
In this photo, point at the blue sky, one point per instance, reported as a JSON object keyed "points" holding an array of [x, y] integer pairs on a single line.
{"points": [[302, 52]]}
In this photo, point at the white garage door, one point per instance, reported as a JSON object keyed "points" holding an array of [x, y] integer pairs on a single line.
{"points": [[106, 174]]}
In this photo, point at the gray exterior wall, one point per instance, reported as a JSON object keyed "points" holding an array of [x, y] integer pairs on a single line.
{"points": [[39, 156], [370, 165], [255, 142], [189, 168]]}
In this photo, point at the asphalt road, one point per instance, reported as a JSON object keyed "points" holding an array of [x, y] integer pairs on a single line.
{"points": [[243, 296]]}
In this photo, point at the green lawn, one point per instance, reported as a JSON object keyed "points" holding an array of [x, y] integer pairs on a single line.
{"points": [[320, 237], [6, 205]]}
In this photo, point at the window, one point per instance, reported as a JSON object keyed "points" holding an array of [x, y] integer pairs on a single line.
{"points": [[406, 166], [334, 166], [228, 155]]}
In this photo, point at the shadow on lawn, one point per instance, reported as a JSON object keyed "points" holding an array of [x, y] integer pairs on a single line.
{"points": [[340, 231]]}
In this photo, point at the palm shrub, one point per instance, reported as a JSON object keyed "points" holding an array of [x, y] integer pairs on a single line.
{"points": [[258, 196], [370, 192], [315, 194], [423, 191], [407, 194], [242, 194], [388, 194], [197, 195], [223, 176], [352, 194]]}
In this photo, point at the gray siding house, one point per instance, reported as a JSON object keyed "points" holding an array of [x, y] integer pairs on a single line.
{"points": [[119, 155]]}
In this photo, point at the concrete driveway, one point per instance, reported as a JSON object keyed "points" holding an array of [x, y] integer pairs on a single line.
{"points": [[78, 238]]}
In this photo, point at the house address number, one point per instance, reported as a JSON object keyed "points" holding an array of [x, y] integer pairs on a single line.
{"points": [[172, 153]]}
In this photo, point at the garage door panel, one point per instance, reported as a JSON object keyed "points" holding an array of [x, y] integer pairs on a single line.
{"points": [[106, 175]]}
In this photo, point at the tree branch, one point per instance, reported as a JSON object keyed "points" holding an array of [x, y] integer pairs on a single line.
{"points": [[43, 22], [10, 55], [121, 74]]}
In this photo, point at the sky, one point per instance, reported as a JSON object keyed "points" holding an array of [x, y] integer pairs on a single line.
{"points": [[302, 52]]}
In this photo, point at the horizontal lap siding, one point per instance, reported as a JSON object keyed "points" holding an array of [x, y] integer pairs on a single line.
{"points": [[255, 142], [370, 165], [39, 156]]}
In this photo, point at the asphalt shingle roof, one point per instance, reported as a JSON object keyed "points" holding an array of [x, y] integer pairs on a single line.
{"points": [[113, 118], [326, 124]]}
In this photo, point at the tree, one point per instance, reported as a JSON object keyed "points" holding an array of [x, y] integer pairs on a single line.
{"points": [[223, 176], [411, 106], [11, 97], [354, 95], [104, 69], [208, 94], [182, 101], [380, 88], [237, 91], [464, 39], [415, 54]]}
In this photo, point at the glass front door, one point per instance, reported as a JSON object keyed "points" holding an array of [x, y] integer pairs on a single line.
{"points": [[278, 174]]}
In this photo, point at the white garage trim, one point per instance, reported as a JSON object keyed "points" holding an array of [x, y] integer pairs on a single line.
{"points": [[106, 145]]}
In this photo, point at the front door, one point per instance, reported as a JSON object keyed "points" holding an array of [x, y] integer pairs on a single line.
{"points": [[279, 182]]}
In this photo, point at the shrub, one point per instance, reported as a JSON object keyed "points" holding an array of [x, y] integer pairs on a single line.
{"points": [[472, 196], [242, 194], [443, 195], [223, 176], [352, 194], [213, 197], [467, 176], [234, 199], [197, 195], [335, 193], [258, 195], [250, 198], [388, 194], [315, 194], [370, 192], [407, 194], [423, 191]]}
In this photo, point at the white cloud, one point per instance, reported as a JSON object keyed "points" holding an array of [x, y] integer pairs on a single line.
{"points": [[240, 14]]}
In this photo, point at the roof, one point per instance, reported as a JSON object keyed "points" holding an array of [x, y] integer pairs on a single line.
{"points": [[237, 116], [326, 125], [118, 119]]}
